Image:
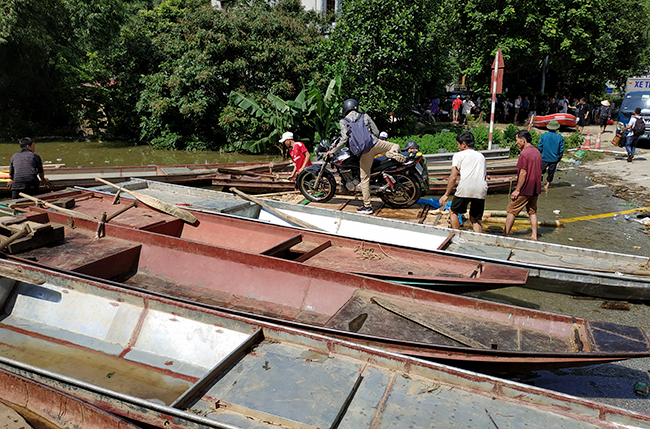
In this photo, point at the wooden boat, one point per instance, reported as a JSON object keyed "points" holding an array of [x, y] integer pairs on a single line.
{"points": [[552, 267], [423, 269], [181, 174], [564, 119], [467, 331], [175, 365], [39, 406], [256, 184]]}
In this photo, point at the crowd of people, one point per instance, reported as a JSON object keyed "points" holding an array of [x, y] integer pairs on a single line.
{"points": [[519, 109]]}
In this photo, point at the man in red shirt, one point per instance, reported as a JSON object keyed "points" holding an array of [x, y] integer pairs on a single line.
{"points": [[455, 106], [299, 154], [529, 183]]}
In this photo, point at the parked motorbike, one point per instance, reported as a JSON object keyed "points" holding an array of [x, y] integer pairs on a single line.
{"points": [[399, 185]]}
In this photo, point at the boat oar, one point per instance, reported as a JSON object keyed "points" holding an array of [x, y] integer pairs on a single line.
{"points": [[59, 209], [155, 203], [292, 220]]}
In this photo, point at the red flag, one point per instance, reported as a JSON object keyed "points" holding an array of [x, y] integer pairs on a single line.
{"points": [[497, 71]]}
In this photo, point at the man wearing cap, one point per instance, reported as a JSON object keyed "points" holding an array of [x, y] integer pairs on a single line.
{"points": [[299, 154], [551, 146], [604, 114]]}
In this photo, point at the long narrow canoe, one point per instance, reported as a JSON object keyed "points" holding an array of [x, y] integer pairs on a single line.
{"points": [[399, 318], [415, 267], [180, 174], [41, 406], [176, 365], [552, 267]]}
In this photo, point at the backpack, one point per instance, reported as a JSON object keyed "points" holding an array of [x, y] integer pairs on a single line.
{"points": [[639, 127], [361, 140], [605, 111]]}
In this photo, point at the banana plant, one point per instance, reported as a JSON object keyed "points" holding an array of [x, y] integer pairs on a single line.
{"points": [[324, 110], [280, 115]]}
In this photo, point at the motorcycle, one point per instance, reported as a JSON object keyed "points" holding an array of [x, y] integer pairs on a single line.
{"points": [[399, 185]]}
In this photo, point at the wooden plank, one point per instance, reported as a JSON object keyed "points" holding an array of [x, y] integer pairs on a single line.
{"points": [[314, 251], [282, 247]]}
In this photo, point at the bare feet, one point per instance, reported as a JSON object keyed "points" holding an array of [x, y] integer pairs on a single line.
{"points": [[546, 187]]}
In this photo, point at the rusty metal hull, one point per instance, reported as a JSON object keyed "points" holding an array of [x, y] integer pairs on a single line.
{"points": [[42, 405], [553, 267], [414, 267], [471, 332], [178, 366]]}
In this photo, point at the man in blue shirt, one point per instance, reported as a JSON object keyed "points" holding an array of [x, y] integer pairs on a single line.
{"points": [[551, 146]]}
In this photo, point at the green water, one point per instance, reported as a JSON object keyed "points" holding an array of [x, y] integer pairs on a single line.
{"points": [[94, 154]]}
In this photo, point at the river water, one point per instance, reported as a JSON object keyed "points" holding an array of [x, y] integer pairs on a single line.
{"points": [[572, 195], [96, 154]]}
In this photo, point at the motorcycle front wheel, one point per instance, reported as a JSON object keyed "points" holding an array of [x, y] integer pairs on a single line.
{"points": [[321, 192], [405, 192]]}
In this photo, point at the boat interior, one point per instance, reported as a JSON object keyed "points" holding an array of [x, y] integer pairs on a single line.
{"points": [[401, 318], [223, 369]]}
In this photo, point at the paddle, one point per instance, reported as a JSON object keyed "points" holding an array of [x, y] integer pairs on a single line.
{"points": [[292, 220], [155, 203], [59, 209]]}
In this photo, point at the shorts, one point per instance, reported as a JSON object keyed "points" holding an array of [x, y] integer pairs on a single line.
{"points": [[528, 201], [581, 121], [552, 166], [476, 209], [602, 121]]}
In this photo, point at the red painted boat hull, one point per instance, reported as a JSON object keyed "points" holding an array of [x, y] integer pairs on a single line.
{"points": [[336, 303], [439, 272]]}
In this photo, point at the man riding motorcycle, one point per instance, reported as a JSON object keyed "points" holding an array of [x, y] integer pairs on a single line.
{"points": [[351, 115]]}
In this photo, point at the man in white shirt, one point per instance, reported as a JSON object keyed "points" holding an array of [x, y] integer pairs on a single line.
{"points": [[472, 187], [563, 105], [467, 107]]}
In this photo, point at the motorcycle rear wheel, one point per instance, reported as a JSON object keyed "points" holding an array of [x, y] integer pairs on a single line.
{"points": [[405, 192], [320, 192]]}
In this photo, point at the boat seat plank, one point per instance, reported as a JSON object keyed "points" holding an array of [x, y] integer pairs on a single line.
{"points": [[284, 392], [199, 388], [282, 247], [314, 251], [480, 250]]}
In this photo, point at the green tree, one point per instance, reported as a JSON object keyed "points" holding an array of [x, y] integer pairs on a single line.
{"points": [[204, 53], [45, 83], [389, 52], [586, 42]]}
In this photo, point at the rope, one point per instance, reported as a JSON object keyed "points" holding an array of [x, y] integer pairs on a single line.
{"points": [[368, 253]]}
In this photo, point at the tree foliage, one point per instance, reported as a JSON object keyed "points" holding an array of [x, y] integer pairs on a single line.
{"points": [[206, 53], [587, 42], [387, 52]]}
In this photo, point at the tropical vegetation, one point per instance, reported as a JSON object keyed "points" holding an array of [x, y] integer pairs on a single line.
{"points": [[182, 74]]}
